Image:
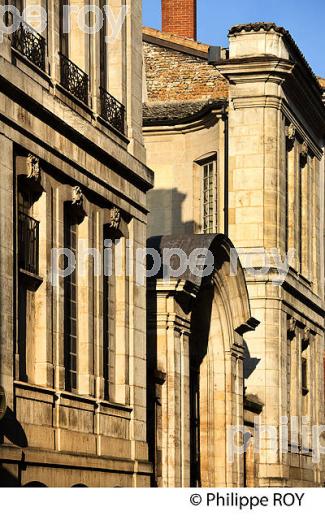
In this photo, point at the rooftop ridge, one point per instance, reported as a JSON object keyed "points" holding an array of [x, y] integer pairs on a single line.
{"points": [[178, 40]]}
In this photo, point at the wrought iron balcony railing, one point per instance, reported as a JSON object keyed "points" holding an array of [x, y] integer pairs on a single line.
{"points": [[31, 44], [28, 243], [74, 80], [112, 110]]}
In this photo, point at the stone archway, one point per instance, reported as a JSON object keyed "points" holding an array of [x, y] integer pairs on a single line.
{"points": [[34, 484], [216, 357], [199, 359]]}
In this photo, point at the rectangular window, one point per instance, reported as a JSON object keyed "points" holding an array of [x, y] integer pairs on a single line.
{"points": [[64, 40], [109, 311], [70, 304], [28, 270], [209, 197], [304, 382], [103, 50], [28, 234], [305, 348], [287, 239]]}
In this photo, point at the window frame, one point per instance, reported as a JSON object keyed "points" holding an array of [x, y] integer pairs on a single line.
{"points": [[205, 162], [70, 222]]}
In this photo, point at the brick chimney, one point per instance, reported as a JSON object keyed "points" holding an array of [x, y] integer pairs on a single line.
{"points": [[179, 17]]}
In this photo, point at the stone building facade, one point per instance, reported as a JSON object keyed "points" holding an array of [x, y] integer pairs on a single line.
{"points": [[236, 139], [73, 175]]}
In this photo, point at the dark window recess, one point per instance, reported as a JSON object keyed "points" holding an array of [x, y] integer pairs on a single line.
{"points": [[112, 110], [70, 306], [31, 44], [109, 310], [28, 241], [304, 378], [73, 79]]}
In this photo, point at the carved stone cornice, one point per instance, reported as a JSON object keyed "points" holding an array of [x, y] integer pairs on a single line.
{"points": [[257, 69]]}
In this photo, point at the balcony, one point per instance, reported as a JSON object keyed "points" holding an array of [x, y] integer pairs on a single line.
{"points": [[28, 244], [74, 80], [112, 110], [30, 44]]}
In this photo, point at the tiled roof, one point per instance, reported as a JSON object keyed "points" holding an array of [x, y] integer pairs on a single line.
{"points": [[177, 40], [321, 81], [179, 111]]}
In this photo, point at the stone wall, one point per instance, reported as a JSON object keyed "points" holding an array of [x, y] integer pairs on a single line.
{"points": [[175, 75]]}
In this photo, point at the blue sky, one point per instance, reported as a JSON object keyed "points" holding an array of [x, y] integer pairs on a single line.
{"points": [[304, 19]]}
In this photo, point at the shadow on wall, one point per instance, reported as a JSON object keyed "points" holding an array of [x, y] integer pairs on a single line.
{"points": [[12, 430], [7, 479], [166, 212], [250, 363]]}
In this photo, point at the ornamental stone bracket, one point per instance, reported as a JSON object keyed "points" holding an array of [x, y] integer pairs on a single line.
{"points": [[75, 197], [304, 153], [78, 202], [33, 167], [116, 223], [292, 327], [291, 133], [115, 218], [28, 170], [306, 337], [238, 346]]}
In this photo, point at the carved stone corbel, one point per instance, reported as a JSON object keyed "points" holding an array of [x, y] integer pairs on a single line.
{"points": [[29, 173], [115, 218], [292, 326], [304, 153], [77, 198], [33, 167], [306, 337], [77, 201], [291, 135]]}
